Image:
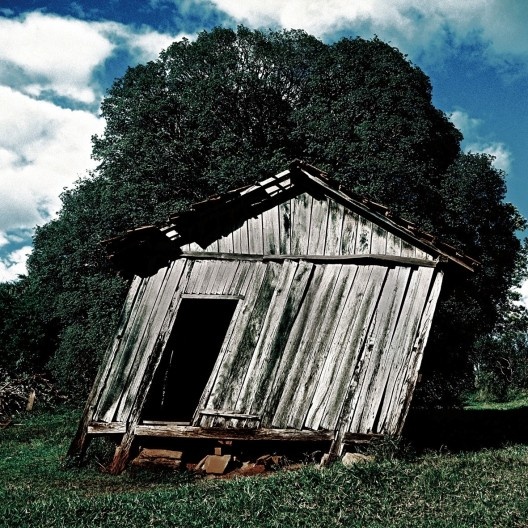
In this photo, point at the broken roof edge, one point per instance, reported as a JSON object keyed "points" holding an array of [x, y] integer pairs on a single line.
{"points": [[383, 215], [301, 172]]}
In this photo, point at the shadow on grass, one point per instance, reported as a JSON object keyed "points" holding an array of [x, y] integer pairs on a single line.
{"points": [[465, 429]]}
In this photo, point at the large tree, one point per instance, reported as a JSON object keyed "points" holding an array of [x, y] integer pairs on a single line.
{"points": [[232, 107]]}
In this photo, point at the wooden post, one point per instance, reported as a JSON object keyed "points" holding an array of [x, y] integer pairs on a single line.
{"points": [[80, 442], [122, 452], [350, 401]]}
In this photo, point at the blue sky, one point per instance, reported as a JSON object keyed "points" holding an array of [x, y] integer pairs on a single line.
{"points": [[58, 58]]}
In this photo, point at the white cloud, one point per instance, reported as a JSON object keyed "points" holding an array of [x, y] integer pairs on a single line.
{"points": [[147, 46], [53, 53], [504, 25], [523, 292], [499, 151], [48, 65], [143, 44], [14, 264], [474, 142], [411, 25], [466, 124], [43, 148], [43, 53]]}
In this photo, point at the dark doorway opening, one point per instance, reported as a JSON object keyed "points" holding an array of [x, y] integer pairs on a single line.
{"points": [[188, 359]]}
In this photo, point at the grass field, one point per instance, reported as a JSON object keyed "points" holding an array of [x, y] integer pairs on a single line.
{"points": [[487, 487]]}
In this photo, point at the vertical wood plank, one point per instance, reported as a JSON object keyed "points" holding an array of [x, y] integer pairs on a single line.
{"points": [[279, 358], [318, 225], [78, 445], [190, 277], [130, 354], [285, 228], [212, 247], [393, 244], [249, 288], [214, 281], [379, 241], [364, 236], [125, 357], [231, 271], [244, 238], [154, 336], [334, 229], [375, 373], [347, 402], [265, 351], [255, 236], [198, 276], [401, 346], [139, 393], [301, 335], [237, 242], [397, 416], [363, 298], [232, 371], [213, 269], [239, 284], [114, 354], [336, 346], [408, 250], [302, 210], [270, 226], [225, 244], [366, 352], [327, 322], [418, 347], [240, 239], [349, 232]]}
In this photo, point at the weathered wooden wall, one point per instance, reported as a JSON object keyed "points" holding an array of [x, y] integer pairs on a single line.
{"points": [[334, 303], [308, 225], [311, 337], [318, 340], [308, 342]]}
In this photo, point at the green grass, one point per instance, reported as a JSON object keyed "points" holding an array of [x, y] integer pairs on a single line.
{"points": [[519, 401], [487, 488]]}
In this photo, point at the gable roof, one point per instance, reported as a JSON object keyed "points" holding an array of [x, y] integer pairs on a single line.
{"points": [[147, 248]]}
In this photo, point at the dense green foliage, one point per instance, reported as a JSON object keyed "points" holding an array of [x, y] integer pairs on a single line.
{"points": [[231, 108], [500, 361], [485, 489]]}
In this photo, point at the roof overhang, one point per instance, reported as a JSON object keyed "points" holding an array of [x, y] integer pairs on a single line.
{"points": [[144, 250]]}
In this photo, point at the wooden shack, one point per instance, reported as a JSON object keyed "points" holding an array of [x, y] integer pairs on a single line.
{"points": [[287, 310]]}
